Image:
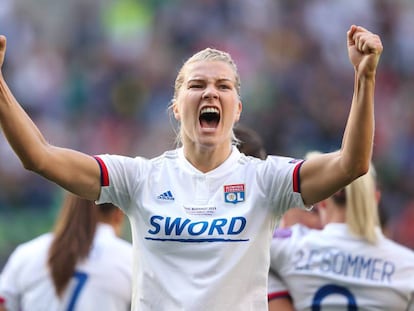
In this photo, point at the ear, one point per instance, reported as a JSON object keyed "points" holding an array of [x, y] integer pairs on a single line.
{"points": [[238, 112], [175, 110]]}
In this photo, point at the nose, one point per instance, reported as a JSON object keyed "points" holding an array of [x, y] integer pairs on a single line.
{"points": [[210, 92]]}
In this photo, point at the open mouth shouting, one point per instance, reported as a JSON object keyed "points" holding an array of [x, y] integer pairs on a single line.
{"points": [[209, 118]]}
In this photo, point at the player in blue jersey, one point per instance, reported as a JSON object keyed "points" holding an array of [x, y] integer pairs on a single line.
{"points": [[202, 215], [82, 265], [348, 265]]}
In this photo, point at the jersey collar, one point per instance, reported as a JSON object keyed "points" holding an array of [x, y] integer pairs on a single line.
{"points": [[221, 169]]}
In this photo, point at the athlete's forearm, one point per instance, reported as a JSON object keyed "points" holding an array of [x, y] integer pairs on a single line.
{"points": [[20, 131], [340, 168], [358, 137], [77, 172]]}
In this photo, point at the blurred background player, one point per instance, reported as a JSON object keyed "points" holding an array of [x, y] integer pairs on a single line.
{"points": [[307, 217], [348, 265], [249, 142], [82, 265], [311, 218]]}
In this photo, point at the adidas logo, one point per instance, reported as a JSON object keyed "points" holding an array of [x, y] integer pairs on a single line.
{"points": [[166, 196]]}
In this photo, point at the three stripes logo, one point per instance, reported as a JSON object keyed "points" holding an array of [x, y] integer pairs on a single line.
{"points": [[166, 196]]}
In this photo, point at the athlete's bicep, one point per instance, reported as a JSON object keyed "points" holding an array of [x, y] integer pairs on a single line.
{"points": [[321, 176], [75, 171]]}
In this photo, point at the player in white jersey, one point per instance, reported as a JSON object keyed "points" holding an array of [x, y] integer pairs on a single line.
{"points": [[203, 215], [348, 265], [82, 265]]}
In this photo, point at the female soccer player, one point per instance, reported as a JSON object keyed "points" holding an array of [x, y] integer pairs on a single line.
{"points": [[203, 215], [82, 265], [348, 265]]}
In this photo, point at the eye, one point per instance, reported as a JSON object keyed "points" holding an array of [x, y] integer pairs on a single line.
{"points": [[195, 86], [225, 86]]}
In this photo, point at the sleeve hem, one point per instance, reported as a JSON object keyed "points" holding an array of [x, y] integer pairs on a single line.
{"points": [[276, 295]]}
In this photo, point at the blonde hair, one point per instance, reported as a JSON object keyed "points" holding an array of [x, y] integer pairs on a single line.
{"points": [[362, 207], [359, 199], [208, 54]]}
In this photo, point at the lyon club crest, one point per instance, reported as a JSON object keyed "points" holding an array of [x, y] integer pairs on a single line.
{"points": [[234, 193]]}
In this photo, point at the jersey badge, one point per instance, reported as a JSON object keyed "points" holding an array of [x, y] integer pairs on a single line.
{"points": [[234, 193], [166, 196]]}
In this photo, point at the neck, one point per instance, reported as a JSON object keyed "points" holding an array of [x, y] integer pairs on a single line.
{"points": [[206, 159], [336, 215]]}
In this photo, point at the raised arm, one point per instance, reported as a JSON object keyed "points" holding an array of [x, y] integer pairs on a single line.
{"points": [[323, 175], [74, 171]]}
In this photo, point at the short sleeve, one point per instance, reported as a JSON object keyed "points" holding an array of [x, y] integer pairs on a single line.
{"points": [[9, 287], [276, 287], [120, 178]]}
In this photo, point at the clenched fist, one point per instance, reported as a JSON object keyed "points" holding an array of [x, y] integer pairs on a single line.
{"points": [[364, 50]]}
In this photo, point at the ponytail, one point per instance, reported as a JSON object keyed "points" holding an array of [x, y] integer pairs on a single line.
{"points": [[73, 236], [362, 206], [360, 200]]}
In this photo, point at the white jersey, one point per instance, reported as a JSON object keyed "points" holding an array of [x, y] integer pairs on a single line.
{"points": [[102, 282], [331, 269], [203, 239]]}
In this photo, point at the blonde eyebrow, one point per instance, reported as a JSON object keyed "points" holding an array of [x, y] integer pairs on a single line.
{"points": [[218, 80]]}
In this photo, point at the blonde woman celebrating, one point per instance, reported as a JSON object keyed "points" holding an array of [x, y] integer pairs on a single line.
{"points": [[202, 215]]}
